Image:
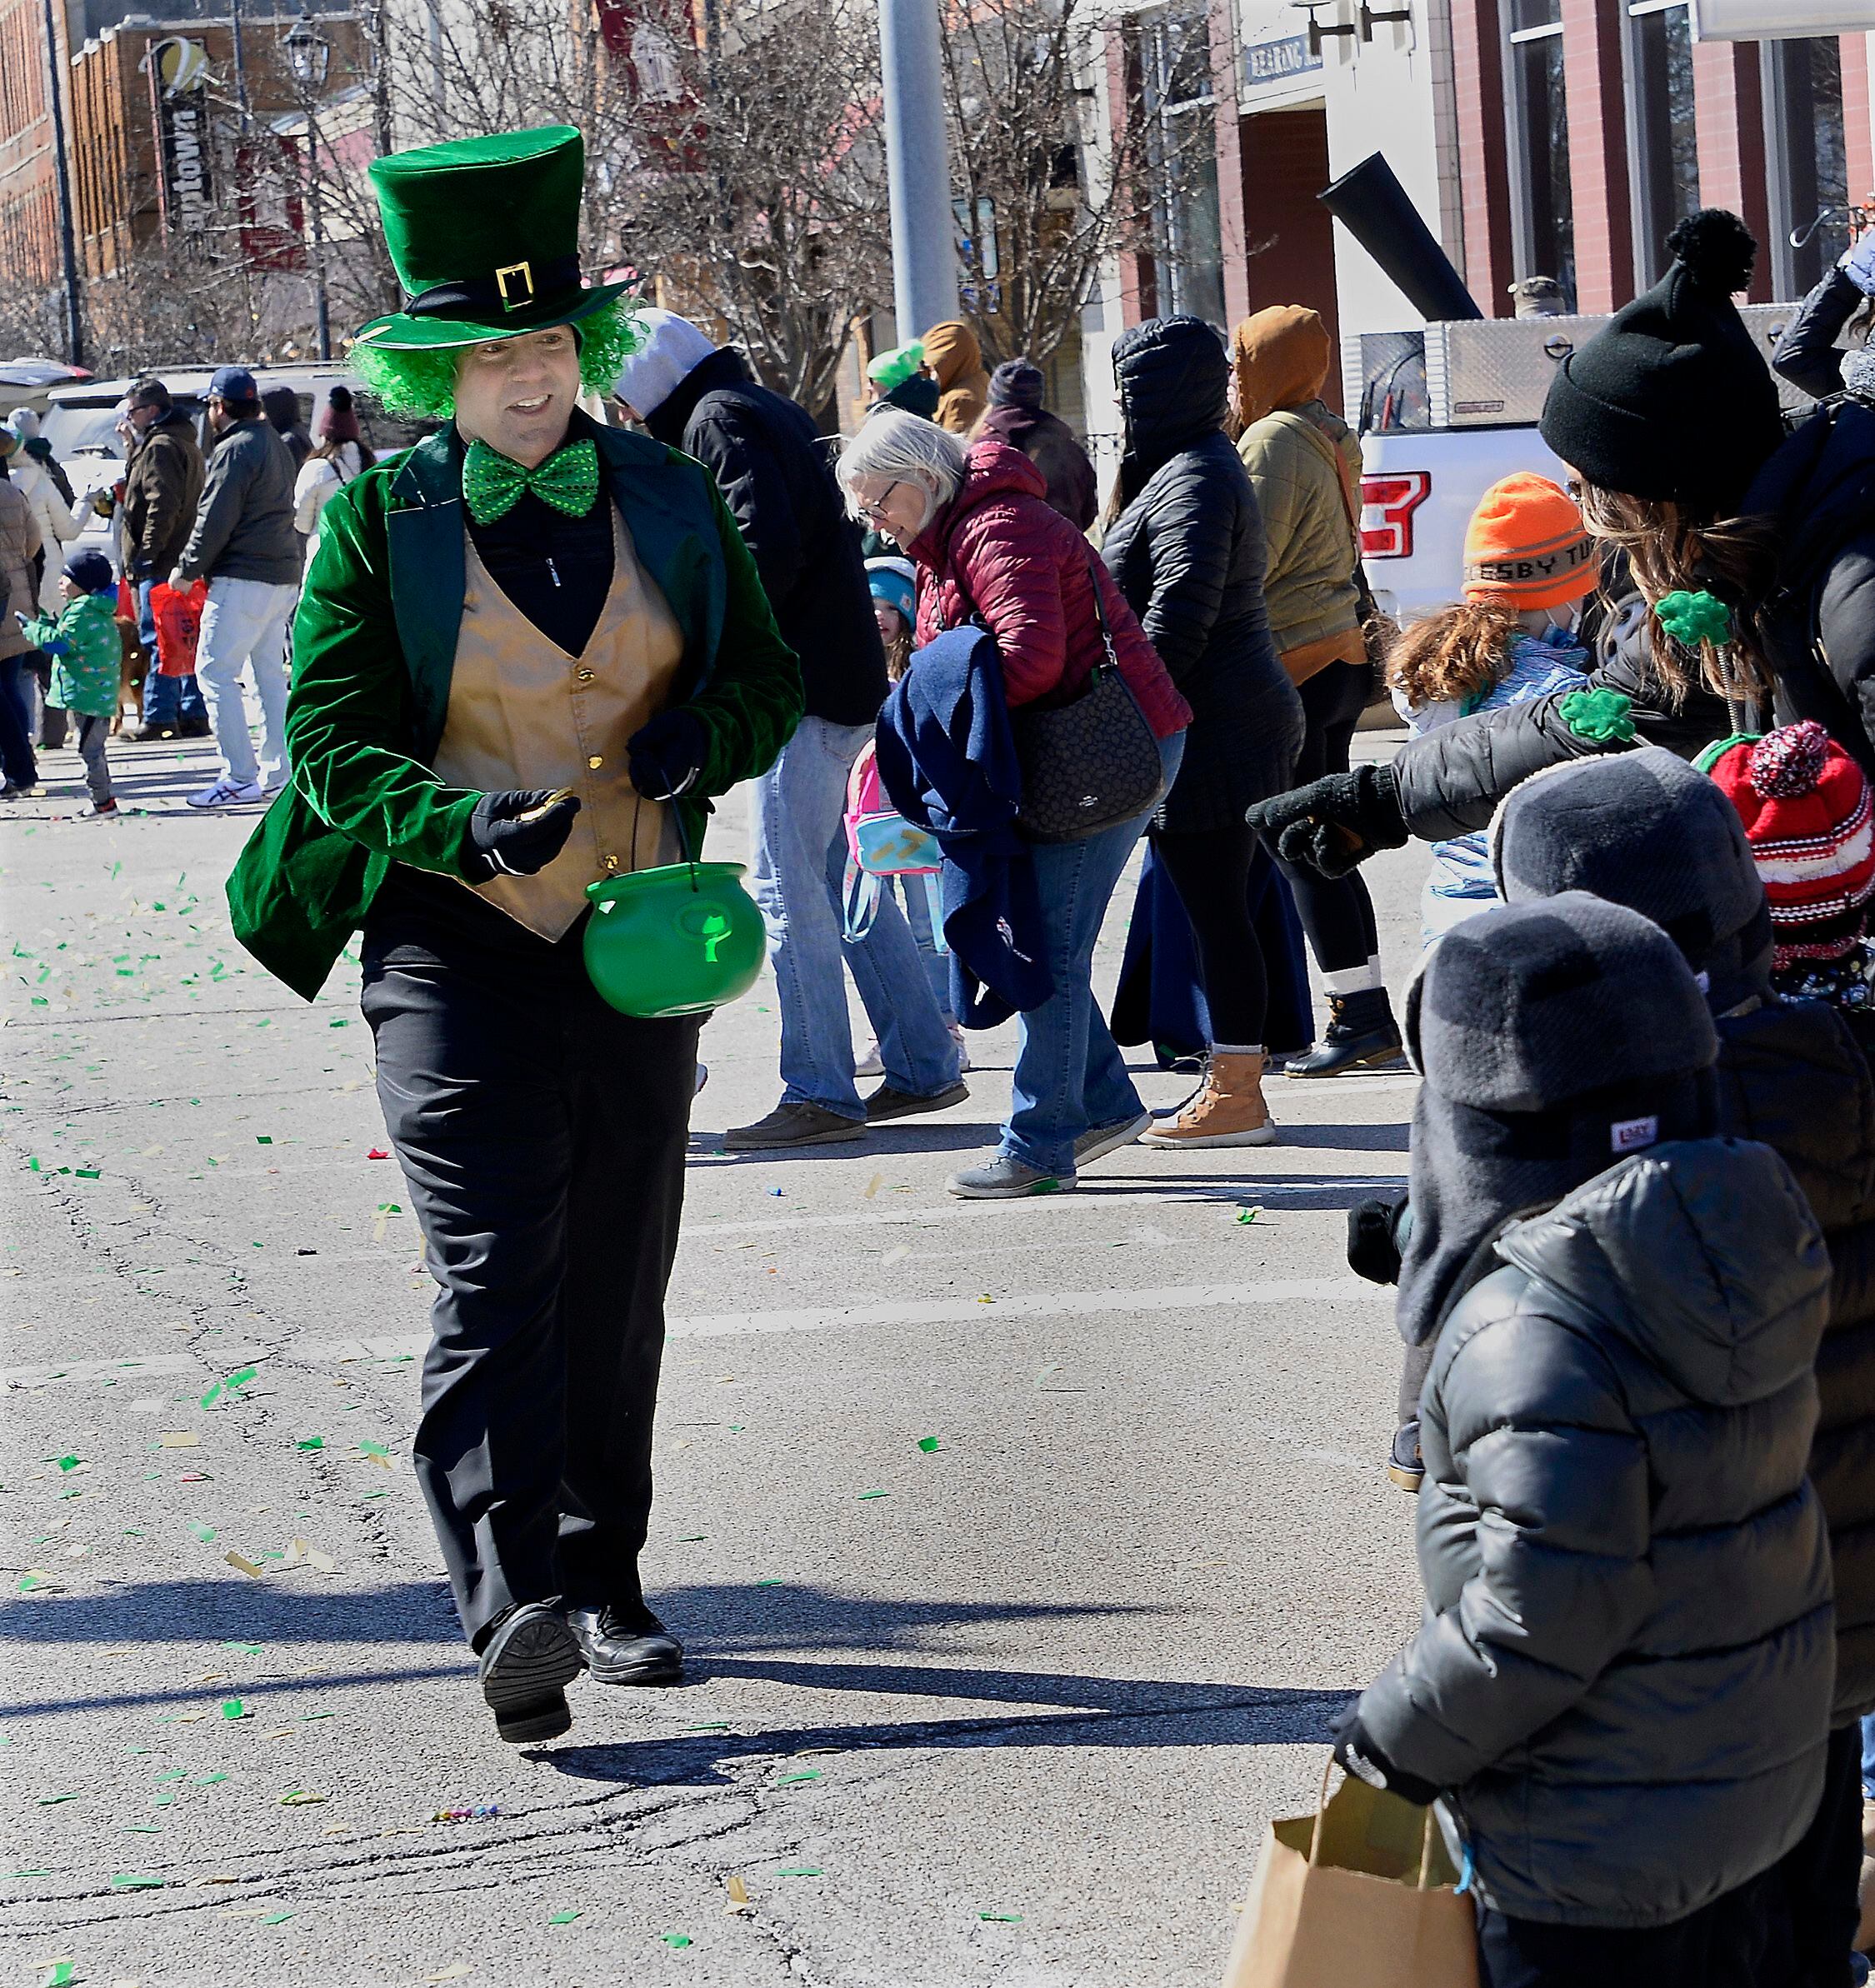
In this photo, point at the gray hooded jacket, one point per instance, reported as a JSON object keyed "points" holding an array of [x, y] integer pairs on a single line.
{"points": [[1624, 1672]]}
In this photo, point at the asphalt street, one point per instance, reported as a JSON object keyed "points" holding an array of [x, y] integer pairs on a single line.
{"points": [[1022, 1550]]}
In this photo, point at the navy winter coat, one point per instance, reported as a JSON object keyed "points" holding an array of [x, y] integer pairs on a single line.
{"points": [[772, 469]]}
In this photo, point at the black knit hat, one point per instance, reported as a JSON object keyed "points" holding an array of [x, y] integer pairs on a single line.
{"points": [[1646, 830], [1671, 399], [1555, 1039], [1016, 383]]}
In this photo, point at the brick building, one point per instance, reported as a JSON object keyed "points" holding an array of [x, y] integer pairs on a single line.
{"points": [[1560, 138]]}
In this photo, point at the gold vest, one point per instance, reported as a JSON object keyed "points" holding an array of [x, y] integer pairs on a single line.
{"points": [[523, 713]]}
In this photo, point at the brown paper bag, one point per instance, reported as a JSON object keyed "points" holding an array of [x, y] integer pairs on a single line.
{"points": [[1362, 1891]]}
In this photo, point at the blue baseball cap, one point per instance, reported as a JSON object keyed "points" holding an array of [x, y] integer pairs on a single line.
{"points": [[233, 383]]}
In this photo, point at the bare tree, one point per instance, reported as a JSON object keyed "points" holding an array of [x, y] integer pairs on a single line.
{"points": [[1045, 198], [738, 173]]}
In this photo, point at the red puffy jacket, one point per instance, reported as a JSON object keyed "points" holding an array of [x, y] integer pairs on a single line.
{"points": [[1031, 577]]}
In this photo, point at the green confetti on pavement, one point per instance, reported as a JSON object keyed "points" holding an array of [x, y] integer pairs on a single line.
{"points": [[88, 1173], [1002, 1918], [233, 1708], [275, 1918], [1249, 1214], [563, 1918], [213, 1395], [47, 1801], [676, 1938], [63, 1974], [805, 1773], [371, 1448], [801, 1871], [242, 1379], [245, 1649], [204, 1533], [928, 1444], [131, 1880], [68, 1463], [716, 1727], [874, 1494], [310, 1442], [263, 1139]]}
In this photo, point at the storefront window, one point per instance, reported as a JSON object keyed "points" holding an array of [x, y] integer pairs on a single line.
{"points": [[1663, 146], [1177, 80], [1543, 217], [1810, 190]]}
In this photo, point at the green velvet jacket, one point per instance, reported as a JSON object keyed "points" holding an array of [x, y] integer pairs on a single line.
{"points": [[374, 644]]}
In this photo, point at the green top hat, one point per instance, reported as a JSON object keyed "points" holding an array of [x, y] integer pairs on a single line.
{"points": [[484, 236]]}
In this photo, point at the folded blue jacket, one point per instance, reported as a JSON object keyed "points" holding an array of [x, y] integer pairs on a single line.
{"points": [[948, 759]]}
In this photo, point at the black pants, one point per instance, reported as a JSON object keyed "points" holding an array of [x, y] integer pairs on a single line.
{"points": [[1734, 1942], [1210, 870], [1820, 1877], [542, 1135], [1337, 914]]}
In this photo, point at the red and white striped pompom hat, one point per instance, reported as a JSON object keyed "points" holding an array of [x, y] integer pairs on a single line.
{"points": [[1807, 810]]}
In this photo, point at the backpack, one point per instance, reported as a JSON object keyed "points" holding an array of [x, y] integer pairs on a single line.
{"points": [[881, 843]]}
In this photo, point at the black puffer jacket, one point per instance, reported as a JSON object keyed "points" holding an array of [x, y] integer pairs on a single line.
{"points": [[1624, 1672], [1187, 552], [774, 471], [1818, 628], [1790, 1073]]}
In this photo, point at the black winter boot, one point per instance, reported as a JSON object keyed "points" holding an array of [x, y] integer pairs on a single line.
{"points": [[1361, 1035]]}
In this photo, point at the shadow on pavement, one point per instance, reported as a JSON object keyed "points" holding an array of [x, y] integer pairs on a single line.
{"points": [[1125, 1713], [208, 1611]]}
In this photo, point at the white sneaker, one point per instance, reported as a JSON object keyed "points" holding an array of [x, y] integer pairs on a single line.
{"points": [[227, 794], [871, 1064], [99, 811]]}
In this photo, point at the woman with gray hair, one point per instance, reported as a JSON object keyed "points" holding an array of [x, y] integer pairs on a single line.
{"points": [[989, 549]]}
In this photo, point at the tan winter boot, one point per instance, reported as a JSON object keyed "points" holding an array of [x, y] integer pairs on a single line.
{"points": [[1229, 1111]]}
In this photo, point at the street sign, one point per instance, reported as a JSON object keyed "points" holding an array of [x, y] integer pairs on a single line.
{"points": [[1275, 61]]}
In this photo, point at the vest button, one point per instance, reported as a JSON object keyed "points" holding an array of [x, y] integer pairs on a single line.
{"points": [[582, 676], [611, 862], [595, 762]]}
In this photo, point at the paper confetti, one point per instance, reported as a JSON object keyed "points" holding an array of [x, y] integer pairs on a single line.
{"points": [[675, 1939], [1249, 1214], [800, 1870], [378, 1152], [739, 1900], [177, 1439], [310, 1442], [563, 1918], [1002, 1918], [300, 1798], [245, 1565], [928, 1444], [129, 1881], [233, 1708], [805, 1773]]}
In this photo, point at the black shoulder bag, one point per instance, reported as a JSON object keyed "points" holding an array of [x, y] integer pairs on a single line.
{"points": [[1090, 764]]}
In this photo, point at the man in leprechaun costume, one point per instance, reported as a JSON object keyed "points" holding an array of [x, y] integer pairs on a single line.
{"points": [[518, 642]]}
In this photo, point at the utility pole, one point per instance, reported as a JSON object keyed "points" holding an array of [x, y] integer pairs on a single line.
{"points": [[240, 65], [62, 166], [919, 167]]}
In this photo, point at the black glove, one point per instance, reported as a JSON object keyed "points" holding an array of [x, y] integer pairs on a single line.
{"points": [[517, 833], [1375, 1240], [664, 757], [1335, 822], [1356, 1754]]}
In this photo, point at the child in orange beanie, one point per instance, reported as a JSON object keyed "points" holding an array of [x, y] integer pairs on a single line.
{"points": [[1529, 563]]}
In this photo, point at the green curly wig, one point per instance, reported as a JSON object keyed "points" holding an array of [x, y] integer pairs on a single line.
{"points": [[421, 385]]}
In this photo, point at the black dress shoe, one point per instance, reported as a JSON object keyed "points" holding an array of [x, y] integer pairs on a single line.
{"points": [[193, 728], [526, 1664], [627, 1645]]}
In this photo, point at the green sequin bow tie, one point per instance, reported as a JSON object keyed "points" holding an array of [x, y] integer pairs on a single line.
{"points": [[492, 483]]}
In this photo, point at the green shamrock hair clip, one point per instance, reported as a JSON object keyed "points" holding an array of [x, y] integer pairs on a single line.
{"points": [[1604, 717], [1694, 619]]}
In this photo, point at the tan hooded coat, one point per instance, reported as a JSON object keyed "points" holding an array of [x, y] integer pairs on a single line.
{"points": [[956, 361], [1279, 360]]}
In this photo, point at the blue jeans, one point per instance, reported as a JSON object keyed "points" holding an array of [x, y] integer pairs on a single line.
{"points": [[166, 700], [798, 866], [1070, 1076], [917, 915]]}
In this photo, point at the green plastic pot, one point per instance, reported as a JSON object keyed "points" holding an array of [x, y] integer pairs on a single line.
{"points": [[678, 939]]}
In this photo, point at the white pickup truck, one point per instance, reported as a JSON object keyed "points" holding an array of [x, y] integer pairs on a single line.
{"points": [[1447, 411]]}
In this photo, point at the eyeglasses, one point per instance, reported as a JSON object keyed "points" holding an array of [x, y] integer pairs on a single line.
{"points": [[875, 512]]}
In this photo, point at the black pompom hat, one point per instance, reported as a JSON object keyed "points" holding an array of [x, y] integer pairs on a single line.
{"points": [[1671, 399]]}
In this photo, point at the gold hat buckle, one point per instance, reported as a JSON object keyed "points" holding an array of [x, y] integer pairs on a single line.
{"points": [[525, 271]]}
